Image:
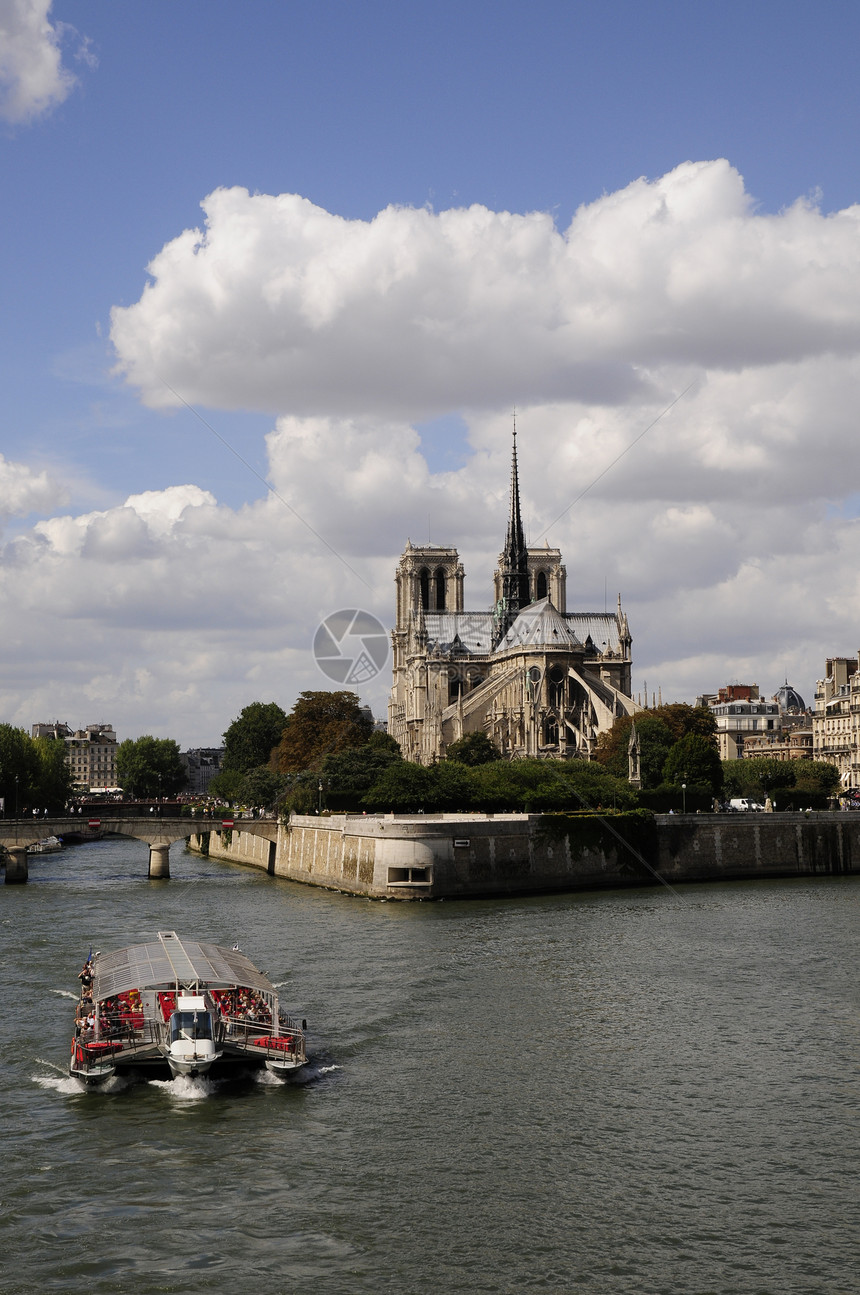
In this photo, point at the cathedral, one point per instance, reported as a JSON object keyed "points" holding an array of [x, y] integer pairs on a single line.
{"points": [[537, 679]]}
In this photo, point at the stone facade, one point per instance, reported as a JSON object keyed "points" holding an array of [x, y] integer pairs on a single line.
{"points": [[536, 679], [836, 722], [90, 753]]}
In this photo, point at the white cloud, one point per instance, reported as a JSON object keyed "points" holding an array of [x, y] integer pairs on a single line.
{"points": [[728, 521], [24, 491], [32, 76], [280, 305]]}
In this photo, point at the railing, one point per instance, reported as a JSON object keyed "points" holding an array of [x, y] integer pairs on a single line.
{"points": [[258, 1035]]}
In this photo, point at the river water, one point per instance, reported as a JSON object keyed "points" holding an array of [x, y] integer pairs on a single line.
{"points": [[633, 1091]]}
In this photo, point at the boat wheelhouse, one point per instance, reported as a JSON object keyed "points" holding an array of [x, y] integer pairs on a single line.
{"points": [[182, 1007]]}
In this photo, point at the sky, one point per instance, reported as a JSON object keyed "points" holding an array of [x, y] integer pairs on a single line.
{"points": [[275, 276]]}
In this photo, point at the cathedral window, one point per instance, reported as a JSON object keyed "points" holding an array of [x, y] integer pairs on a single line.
{"points": [[542, 590], [439, 582], [424, 577]]}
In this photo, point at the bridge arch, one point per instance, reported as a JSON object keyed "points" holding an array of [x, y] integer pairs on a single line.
{"points": [[158, 832]]}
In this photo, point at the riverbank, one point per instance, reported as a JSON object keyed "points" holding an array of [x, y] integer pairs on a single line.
{"points": [[437, 856]]}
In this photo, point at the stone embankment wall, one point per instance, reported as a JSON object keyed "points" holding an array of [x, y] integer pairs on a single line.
{"points": [[239, 847], [715, 847], [431, 856]]}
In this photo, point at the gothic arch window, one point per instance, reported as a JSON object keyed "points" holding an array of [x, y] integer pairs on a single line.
{"points": [[424, 578], [542, 590], [439, 582], [551, 733]]}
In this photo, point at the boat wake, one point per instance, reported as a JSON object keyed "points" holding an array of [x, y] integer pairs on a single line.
{"points": [[51, 1065], [185, 1089], [310, 1073], [64, 993], [67, 1085]]}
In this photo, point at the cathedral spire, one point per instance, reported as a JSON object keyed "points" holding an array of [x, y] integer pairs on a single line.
{"points": [[515, 560]]}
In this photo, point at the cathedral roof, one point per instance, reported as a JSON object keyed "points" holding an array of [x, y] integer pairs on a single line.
{"points": [[453, 634], [600, 627], [540, 625], [459, 633]]}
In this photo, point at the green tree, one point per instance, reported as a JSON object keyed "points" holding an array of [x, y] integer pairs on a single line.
{"points": [[655, 738], [757, 778], [149, 766], [524, 785], [594, 787], [262, 787], [321, 724], [403, 788], [226, 785], [694, 760], [474, 749], [657, 730], [251, 739], [55, 781], [816, 776], [348, 775], [20, 769], [684, 720], [453, 786]]}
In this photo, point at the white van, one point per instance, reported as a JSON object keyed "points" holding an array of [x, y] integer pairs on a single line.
{"points": [[744, 805]]}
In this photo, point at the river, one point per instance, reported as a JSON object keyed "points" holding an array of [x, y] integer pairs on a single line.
{"points": [[632, 1091]]}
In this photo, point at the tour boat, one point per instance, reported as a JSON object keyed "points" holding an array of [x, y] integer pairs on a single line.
{"points": [[180, 1007]]}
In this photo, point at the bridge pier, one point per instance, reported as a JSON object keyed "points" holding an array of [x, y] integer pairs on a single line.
{"points": [[16, 864], [159, 862]]}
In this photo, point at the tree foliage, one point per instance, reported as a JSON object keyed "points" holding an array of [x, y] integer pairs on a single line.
{"points": [[816, 776], [757, 778], [657, 731], [252, 737], [226, 785], [349, 775], [766, 776], [34, 773], [474, 749], [149, 766], [55, 775], [262, 787], [694, 760], [321, 724], [499, 785], [19, 768]]}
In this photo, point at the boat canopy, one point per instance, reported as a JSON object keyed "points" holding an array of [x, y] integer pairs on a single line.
{"points": [[170, 961]]}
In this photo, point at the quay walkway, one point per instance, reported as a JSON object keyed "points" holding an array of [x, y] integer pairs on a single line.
{"points": [[158, 831]]}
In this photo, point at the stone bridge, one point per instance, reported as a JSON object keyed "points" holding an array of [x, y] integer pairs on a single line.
{"points": [[159, 833]]}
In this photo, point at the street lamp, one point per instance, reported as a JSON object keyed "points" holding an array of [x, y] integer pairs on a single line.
{"points": [[684, 797], [319, 809], [16, 795]]}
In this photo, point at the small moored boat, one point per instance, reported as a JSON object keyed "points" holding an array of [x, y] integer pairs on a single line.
{"points": [[181, 1007], [50, 845]]}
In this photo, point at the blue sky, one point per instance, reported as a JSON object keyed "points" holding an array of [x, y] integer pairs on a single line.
{"points": [[547, 107]]}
